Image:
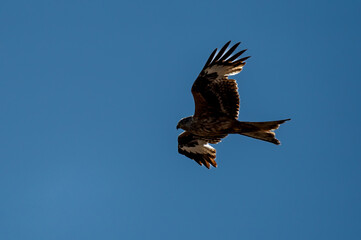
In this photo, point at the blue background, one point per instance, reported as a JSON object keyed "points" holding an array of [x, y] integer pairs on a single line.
{"points": [[91, 92]]}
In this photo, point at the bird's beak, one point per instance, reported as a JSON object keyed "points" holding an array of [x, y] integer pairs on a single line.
{"points": [[177, 127]]}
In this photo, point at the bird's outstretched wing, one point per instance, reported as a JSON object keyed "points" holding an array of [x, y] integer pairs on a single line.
{"points": [[212, 91], [198, 148]]}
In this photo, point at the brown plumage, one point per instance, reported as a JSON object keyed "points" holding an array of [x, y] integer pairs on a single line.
{"points": [[216, 101]]}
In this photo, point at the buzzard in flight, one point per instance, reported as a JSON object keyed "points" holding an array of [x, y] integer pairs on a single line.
{"points": [[216, 109]]}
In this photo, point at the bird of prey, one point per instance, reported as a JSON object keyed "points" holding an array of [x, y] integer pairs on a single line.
{"points": [[216, 101]]}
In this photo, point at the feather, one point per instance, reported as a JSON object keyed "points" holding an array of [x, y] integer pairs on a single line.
{"points": [[210, 58], [235, 56], [229, 52], [220, 53]]}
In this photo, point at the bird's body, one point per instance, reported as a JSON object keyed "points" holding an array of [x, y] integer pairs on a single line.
{"points": [[210, 126], [216, 110]]}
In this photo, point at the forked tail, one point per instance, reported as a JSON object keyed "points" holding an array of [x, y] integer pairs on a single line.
{"points": [[260, 130]]}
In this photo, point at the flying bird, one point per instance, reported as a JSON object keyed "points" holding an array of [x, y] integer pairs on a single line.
{"points": [[216, 101]]}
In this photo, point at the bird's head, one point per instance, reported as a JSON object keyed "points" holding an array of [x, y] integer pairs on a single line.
{"points": [[185, 123]]}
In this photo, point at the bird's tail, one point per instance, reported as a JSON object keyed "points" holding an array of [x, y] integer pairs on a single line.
{"points": [[260, 130]]}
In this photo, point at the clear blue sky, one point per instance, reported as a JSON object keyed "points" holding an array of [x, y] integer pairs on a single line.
{"points": [[91, 92]]}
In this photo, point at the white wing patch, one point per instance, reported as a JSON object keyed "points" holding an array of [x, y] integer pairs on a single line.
{"points": [[200, 148], [223, 70]]}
